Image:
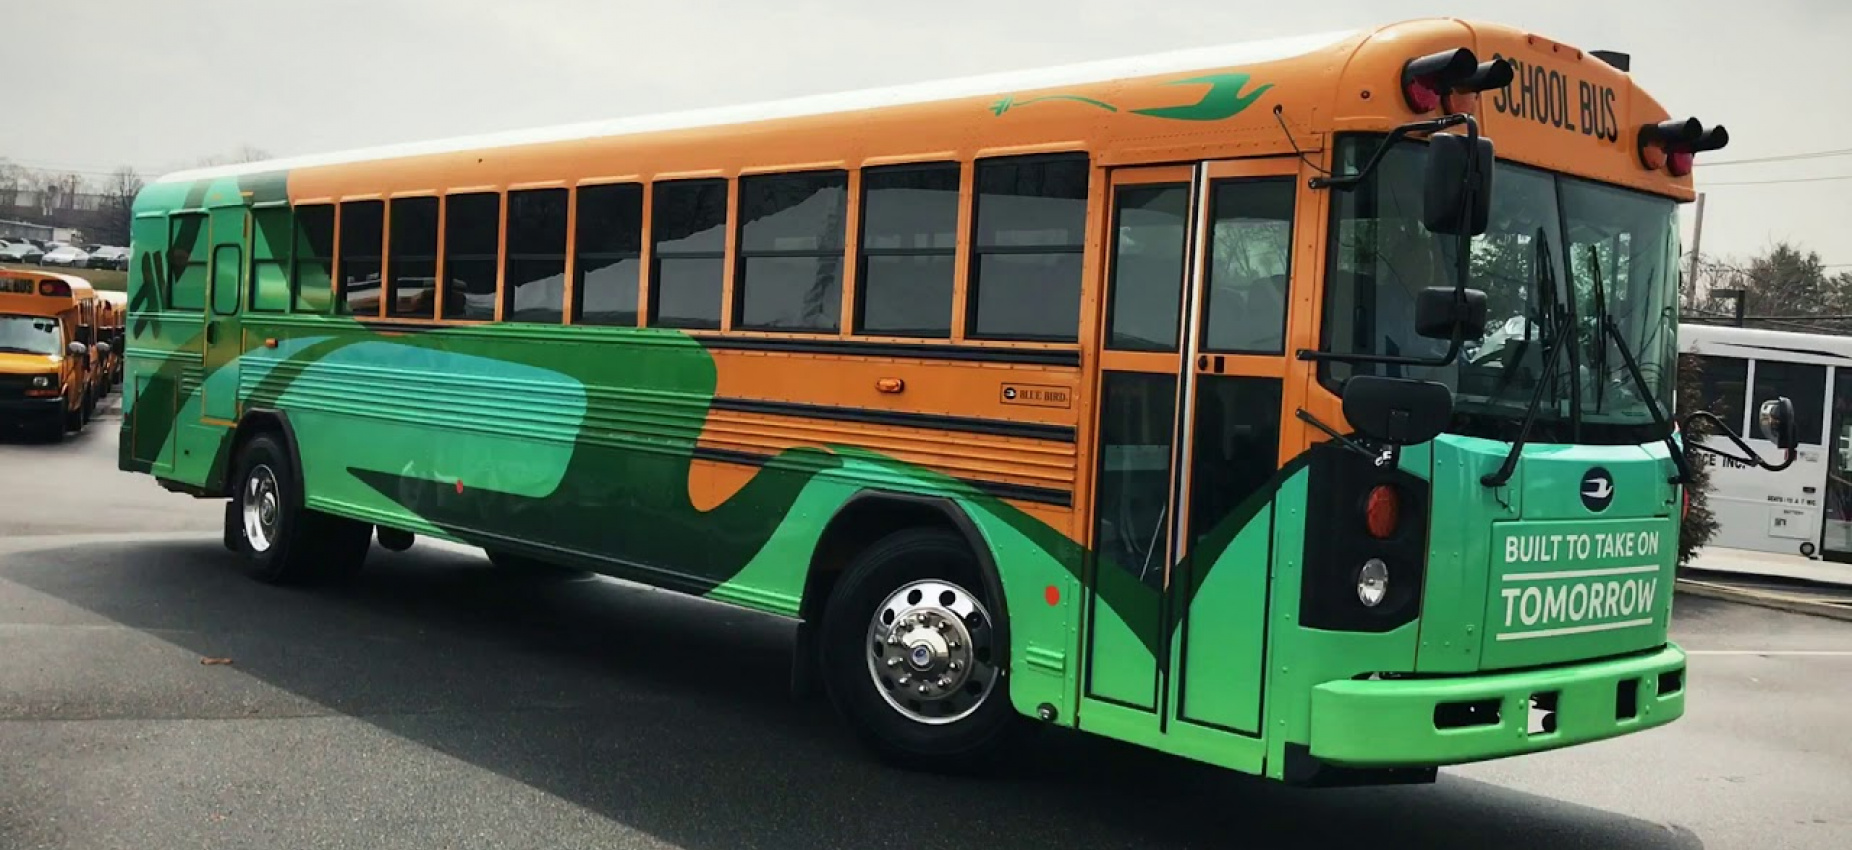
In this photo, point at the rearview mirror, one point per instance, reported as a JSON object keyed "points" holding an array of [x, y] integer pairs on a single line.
{"points": [[1438, 312], [1398, 411], [1458, 196], [1776, 419]]}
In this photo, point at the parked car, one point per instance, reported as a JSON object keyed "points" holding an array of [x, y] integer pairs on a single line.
{"points": [[109, 257], [66, 256], [19, 252]]}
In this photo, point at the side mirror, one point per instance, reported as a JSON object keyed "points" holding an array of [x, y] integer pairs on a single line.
{"points": [[1458, 196], [102, 348], [76, 349], [1397, 411], [1438, 312], [1776, 419]]}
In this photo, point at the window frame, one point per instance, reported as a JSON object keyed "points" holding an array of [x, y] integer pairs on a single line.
{"points": [[575, 308], [857, 325], [506, 285], [446, 254], [284, 265], [389, 289], [1291, 184], [176, 273], [339, 302], [977, 251], [297, 258], [741, 254], [653, 316]]}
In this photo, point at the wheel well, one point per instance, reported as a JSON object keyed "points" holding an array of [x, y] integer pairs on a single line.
{"points": [[253, 423], [859, 525]]}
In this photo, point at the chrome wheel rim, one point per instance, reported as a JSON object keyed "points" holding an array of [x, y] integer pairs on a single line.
{"points": [[262, 508], [930, 652]]}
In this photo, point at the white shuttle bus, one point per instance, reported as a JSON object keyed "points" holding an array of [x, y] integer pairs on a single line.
{"points": [[1805, 509]]}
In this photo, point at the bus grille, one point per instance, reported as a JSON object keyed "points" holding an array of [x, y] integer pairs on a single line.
{"points": [[13, 387]]}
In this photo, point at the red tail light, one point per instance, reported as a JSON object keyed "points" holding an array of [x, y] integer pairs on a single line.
{"points": [[1675, 145], [1382, 511]]}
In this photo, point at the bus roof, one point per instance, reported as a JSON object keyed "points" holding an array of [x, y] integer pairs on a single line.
{"points": [[1240, 53], [1760, 343]]}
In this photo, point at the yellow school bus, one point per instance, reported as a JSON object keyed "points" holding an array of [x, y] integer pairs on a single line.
{"points": [[113, 315], [1217, 401], [50, 358]]}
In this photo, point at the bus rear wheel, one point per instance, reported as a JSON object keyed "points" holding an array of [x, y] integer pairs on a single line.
{"points": [[282, 541], [911, 656]]}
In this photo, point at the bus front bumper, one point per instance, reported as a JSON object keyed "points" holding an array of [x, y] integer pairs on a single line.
{"points": [[31, 408], [1423, 722]]}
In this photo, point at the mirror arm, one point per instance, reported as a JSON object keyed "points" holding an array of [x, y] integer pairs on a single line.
{"points": [[1417, 127], [1307, 417], [1751, 457]]}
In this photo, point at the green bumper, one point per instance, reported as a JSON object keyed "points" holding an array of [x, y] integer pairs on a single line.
{"points": [[1421, 722]]}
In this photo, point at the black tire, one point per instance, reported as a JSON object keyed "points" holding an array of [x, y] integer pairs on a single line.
{"points": [[301, 546], [967, 744], [52, 429], [74, 419]]}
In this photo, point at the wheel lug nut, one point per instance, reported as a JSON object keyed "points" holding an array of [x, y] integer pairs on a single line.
{"points": [[955, 666], [941, 625], [924, 690], [944, 681], [905, 679], [893, 662]]}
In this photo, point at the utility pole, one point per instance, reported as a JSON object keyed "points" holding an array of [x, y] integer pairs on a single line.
{"points": [[1697, 240]]}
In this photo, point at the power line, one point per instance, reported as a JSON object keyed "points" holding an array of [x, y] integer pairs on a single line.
{"points": [[1824, 179], [1789, 157]]}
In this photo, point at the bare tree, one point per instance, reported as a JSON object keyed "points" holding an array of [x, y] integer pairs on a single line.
{"points": [[243, 153], [119, 201]]}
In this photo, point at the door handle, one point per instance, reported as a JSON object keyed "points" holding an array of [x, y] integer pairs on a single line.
{"points": [[212, 332]]}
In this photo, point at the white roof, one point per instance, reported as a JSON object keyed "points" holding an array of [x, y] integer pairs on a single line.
{"points": [[1222, 56]]}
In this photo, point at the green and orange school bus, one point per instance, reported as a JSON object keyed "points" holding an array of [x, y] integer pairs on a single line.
{"points": [[48, 357], [1145, 397]]}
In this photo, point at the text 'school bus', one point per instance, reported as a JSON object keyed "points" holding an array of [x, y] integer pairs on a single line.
{"points": [[1806, 509], [50, 354], [1146, 397]]}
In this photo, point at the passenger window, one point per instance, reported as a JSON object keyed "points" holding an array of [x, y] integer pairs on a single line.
{"points": [[362, 238], [1724, 382], [791, 247], [412, 262], [314, 258], [472, 250], [272, 234], [534, 269], [1151, 227], [688, 232], [1026, 264], [227, 279], [609, 244], [187, 262], [1804, 384], [1250, 251], [909, 250]]}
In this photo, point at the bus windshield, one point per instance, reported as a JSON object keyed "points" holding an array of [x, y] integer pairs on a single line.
{"points": [[1563, 260], [29, 335]]}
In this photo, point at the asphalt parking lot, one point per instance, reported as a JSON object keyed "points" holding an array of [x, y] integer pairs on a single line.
{"points": [[439, 704]]}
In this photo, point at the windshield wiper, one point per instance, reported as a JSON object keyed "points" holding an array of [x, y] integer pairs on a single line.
{"points": [[1613, 331], [1601, 321], [1554, 339]]}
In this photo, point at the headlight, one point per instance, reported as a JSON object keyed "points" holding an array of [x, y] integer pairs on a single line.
{"points": [[40, 382], [1372, 582]]}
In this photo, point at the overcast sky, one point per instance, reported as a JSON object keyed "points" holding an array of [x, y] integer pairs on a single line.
{"points": [[159, 85]]}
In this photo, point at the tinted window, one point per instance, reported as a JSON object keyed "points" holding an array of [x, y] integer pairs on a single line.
{"points": [[314, 258], [688, 228], [272, 235], [791, 243], [187, 262], [1031, 221], [1151, 227], [1249, 249], [609, 243], [412, 262], [472, 246], [1802, 383], [362, 237], [535, 271], [1724, 382], [909, 245], [227, 279]]}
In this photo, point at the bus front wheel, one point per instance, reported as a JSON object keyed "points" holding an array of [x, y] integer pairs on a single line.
{"points": [[282, 541], [911, 657]]}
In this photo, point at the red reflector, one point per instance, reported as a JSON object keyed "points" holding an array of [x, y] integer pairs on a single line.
{"points": [[1679, 163], [1422, 96], [1382, 511], [1685, 513]]}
